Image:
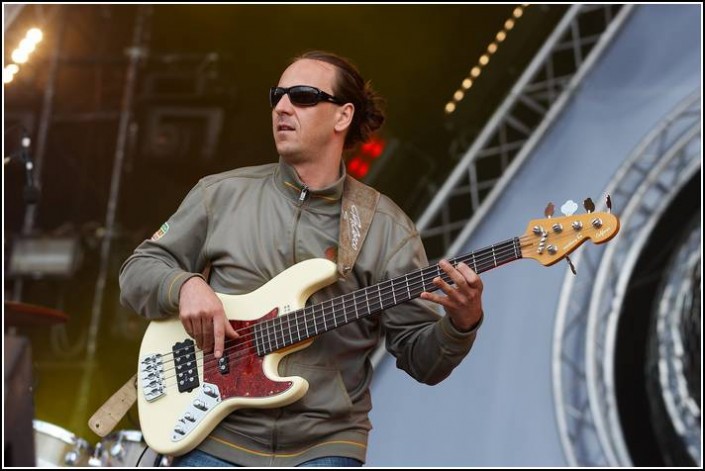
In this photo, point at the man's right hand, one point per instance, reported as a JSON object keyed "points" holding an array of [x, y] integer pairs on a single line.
{"points": [[202, 315]]}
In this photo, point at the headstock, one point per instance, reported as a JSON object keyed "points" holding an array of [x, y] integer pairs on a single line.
{"points": [[553, 238]]}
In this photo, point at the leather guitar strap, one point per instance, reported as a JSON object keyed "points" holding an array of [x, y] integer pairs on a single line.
{"points": [[357, 211], [109, 414]]}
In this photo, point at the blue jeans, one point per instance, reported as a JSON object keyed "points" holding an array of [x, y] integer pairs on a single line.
{"points": [[198, 458]]}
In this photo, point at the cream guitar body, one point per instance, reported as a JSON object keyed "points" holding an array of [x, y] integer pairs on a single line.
{"points": [[176, 411]]}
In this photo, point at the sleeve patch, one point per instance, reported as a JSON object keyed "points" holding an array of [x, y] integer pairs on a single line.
{"points": [[161, 232]]}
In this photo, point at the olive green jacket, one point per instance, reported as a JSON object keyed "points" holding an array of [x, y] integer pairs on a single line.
{"points": [[250, 224]]}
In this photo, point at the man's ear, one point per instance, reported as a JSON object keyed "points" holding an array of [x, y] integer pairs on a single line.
{"points": [[344, 117]]}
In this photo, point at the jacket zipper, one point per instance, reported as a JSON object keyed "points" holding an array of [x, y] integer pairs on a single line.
{"points": [[302, 199], [303, 195], [275, 436]]}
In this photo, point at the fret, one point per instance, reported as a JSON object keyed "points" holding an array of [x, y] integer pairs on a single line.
{"points": [[315, 324], [323, 312], [306, 324], [335, 317], [275, 337], [258, 344], [406, 280], [389, 302], [345, 311], [357, 314], [494, 258], [474, 262], [288, 321], [281, 325], [367, 300], [260, 341], [298, 333], [269, 338]]}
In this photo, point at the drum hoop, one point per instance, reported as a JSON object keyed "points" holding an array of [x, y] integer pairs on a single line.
{"points": [[55, 431], [129, 435]]}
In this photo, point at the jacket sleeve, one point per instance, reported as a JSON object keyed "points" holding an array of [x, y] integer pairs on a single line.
{"points": [[425, 344], [151, 278]]}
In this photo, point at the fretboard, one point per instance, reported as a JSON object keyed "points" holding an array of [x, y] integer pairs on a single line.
{"points": [[283, 331]]}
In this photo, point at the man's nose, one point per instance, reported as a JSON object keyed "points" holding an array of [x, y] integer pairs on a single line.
{"points": [[284, 105]]}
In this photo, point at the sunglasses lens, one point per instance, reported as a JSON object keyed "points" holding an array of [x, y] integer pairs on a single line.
{"points": [[303, 96], [300, 95], [275, 94]]}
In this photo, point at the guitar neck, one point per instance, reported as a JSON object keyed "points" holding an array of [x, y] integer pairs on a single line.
{"points": [[300, 325]]}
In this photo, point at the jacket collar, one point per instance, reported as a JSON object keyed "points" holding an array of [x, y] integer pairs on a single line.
{"points": [[291, 185]]}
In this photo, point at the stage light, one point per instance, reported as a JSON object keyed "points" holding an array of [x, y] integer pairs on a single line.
{"points": [[21, 54], [360, 165], [484, 58], [27, 45], [35, 34], [8, 73]]}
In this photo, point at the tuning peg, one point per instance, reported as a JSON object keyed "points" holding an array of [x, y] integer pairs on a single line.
{"points": [[548, 212], [609, 203], [570, 264], [588, 205], [569, 208]]}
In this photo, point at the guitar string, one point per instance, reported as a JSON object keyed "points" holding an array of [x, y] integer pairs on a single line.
{"points": [[523, 241], [212, 363], [415, 284]]}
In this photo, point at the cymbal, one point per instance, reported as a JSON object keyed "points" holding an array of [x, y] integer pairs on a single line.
{"points": [[22, 314]]}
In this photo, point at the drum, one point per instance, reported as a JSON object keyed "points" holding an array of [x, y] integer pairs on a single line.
{"points": [[55, 446], [126, 448]]}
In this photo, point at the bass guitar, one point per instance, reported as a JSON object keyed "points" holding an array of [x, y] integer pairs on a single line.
{"points": [[183, 392]]}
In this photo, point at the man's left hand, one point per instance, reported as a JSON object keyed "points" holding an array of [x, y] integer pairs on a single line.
{"points": [[463, 298]]}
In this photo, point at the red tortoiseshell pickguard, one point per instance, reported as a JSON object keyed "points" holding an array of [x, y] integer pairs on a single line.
{"points": [[246, 377]]}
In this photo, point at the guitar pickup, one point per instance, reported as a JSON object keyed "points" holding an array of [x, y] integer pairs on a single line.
{"points": [[186, 365]]}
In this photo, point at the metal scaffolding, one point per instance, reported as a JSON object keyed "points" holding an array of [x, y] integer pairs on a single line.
{"points": [[590, 305], [532, 105]]}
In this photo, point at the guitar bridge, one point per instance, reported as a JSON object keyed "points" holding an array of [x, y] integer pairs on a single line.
{"points": [[152, 377]]}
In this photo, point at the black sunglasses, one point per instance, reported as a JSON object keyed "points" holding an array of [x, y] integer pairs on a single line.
{"points": [[301, 95]]}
